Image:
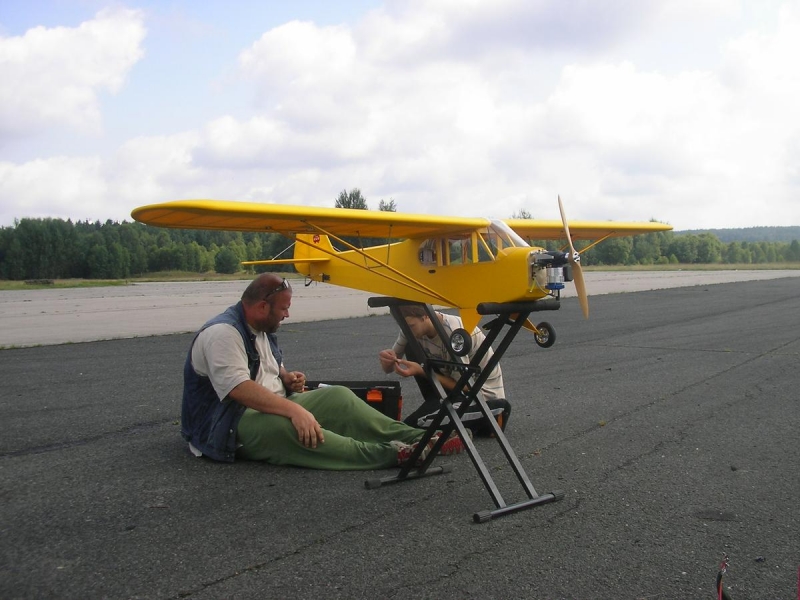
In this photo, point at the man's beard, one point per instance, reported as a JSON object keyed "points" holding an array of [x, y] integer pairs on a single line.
{"points": [[271, 328]]}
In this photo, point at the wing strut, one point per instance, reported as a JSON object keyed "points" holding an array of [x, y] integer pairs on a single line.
{"points": [[403, 278]]}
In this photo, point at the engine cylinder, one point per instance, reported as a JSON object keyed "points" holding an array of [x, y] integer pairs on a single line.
{"points": [[555, 278]]}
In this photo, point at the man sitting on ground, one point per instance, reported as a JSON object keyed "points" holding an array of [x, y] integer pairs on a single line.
{"points": [[240, 401]]}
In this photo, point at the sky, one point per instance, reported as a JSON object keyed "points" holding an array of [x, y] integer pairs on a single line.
{"points": [[683, 111]]}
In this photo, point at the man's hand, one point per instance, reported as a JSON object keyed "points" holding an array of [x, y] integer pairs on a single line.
{"points": [[408, 368], [388, 360], [257, 397], [294, 381], [309, 431]]}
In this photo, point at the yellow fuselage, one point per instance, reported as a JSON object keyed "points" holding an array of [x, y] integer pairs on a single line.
{"points": [[397, 270]]}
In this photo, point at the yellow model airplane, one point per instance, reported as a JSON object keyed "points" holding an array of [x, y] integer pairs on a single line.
{"points": [[456, 262]]}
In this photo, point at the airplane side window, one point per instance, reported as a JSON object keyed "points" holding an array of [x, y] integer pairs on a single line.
{"points": [[427, 252], [457, 251]]}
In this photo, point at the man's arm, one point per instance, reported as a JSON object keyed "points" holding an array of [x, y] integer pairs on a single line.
{"points": [[219, 354], [255, 396], [389, 357], [409, 368]]}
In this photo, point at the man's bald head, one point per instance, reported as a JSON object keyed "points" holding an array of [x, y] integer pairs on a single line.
{"points": [[262, 287]]}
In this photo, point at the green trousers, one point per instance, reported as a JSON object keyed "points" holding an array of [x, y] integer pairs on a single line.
{"points": [[356, 435]]}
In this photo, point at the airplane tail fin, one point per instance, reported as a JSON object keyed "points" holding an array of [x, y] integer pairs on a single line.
{"points": [[308, 248], [312, 245], [311, 248]]}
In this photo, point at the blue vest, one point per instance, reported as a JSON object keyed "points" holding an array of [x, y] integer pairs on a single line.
{"points": [[209, 422]]}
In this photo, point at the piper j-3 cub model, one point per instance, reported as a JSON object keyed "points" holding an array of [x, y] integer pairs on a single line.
{"points": [[456, 262], [478, 266]]}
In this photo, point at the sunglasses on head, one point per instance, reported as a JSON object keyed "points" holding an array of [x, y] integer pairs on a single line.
{"points": [[283, 286]]}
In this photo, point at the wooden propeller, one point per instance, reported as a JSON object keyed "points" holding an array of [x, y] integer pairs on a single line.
{"points": [[575, 261]]}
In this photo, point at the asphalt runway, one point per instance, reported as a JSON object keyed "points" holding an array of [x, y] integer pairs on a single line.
{"points": [[670, 419]]}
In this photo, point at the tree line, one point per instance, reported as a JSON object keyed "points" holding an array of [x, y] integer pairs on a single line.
{"points": [[753, 234], [59, 249], [667, 247]]}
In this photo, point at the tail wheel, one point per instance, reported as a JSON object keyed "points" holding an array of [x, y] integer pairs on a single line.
{"points": [[461, 342], [545, 335]]}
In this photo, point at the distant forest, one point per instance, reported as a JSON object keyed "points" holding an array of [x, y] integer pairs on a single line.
{"points": [[58, 249], [750, 234]]}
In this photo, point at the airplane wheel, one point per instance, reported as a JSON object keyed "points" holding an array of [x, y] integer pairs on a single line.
{"points": [[546, 336], [461, 342]]}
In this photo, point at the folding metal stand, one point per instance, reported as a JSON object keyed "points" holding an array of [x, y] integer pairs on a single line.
{"points": [[464, 394]]}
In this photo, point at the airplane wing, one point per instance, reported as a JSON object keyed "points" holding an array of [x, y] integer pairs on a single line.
{"points": [[290, 220], [533, 229]]}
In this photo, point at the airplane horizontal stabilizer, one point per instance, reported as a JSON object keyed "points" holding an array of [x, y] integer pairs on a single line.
{"points": [[286, 261]]}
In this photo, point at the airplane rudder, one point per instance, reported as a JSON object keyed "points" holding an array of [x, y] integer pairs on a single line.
{"points": [[310, 245]]}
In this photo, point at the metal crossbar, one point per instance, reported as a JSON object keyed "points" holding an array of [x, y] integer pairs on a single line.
{"points": [[465, 394]]}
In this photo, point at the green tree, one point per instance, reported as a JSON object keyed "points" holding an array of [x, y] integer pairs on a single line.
{"points": [[168, 258], [646, 249], [238, 245], [227, 261], [793, 252], [709, 249], [351, 199], [255, 249], [684, 247], [770, 250], [119, 261], [46, 245], [736, 254], [614, 251], [197, 260], [387, 206], [99, 262], [14, 263], [759, 256], [132, 236], [275, 246]]}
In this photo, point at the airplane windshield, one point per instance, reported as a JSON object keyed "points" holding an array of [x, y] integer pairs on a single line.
{"points": [[508, 236], [483, 245]]}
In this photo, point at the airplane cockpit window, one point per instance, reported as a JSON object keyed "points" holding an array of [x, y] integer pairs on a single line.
{"points": [[479, 246], [459, 251], [487, 246], [427, 252]]}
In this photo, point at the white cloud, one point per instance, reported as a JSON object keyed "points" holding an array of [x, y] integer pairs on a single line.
{"points": [[58, 187], [449, 108], [300, 54], [54, 76], [149, 169], [454, 133], [418, 30]]}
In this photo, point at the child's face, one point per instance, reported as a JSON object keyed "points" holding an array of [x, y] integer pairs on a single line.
{"points": [[418, 326]]}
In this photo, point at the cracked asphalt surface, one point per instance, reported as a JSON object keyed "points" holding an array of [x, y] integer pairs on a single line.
{"points": [[670, 420]]}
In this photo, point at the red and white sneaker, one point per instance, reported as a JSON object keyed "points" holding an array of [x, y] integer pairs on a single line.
{"points": [[453, 444], [406, 451]]}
